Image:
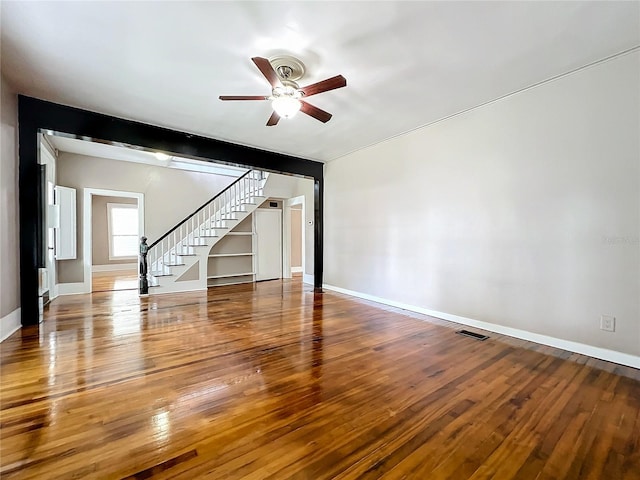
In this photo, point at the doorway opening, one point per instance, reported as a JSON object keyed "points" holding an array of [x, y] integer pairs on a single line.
{"points": [[114, 243], [39, 116], [268, 228], [112, 227], [297, 246], [294, 261]]}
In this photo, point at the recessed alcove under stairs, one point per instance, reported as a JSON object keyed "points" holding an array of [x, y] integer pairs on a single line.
{"points": [[232, 259]]}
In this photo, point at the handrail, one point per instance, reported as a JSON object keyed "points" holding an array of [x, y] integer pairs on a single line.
{"points": [[197, 210]]}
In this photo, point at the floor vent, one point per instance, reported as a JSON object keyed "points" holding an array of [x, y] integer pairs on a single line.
{"points": [[475, 335]]}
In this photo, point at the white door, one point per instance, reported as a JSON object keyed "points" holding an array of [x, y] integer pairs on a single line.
{"points": [[51, 221], [268, 244]]}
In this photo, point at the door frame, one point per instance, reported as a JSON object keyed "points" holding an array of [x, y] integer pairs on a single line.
{"points": [[48, 159], [87, 227], [257, 212], [286, 235]]}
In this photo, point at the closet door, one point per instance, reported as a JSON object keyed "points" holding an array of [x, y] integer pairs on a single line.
{"points": [[268, 244]]}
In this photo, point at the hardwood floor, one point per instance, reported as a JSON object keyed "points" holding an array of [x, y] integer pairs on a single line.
{"points": [[272, 381], [109, 281]]}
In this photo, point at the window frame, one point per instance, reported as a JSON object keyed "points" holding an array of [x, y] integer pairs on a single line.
{"points": [[110, 207]]}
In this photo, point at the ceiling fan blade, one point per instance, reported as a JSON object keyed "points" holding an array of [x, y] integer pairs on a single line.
{"points": [[273, 119], [264, 65], [315, 112], [329, 84], [243, 97]]}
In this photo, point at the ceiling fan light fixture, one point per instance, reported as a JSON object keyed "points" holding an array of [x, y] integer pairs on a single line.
{"points": [[282, 73], [286, 106]]}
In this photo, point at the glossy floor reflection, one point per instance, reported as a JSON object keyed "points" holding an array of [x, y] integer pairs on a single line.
{"points": [[270, 380], [117, 280]]}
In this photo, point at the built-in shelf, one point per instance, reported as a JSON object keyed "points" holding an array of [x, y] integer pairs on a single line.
{"points": [[231, 259], [231, 275]]}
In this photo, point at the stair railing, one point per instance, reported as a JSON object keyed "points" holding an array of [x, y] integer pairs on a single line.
{"points": [[186, 236]]}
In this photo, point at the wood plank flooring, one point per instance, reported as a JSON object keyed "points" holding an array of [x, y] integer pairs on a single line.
{"points": [[109, 281], [272, 381]]}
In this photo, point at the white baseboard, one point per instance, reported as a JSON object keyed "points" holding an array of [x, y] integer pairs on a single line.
{"points": [[306, 278], [589, 350], [116, 267], [296, 269], [71, 288], [9, 324]]}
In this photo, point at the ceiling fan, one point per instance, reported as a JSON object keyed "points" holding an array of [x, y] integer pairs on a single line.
{"points": [[286, 96]]}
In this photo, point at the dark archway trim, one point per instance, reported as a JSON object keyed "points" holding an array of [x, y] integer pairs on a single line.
{"points": [[35, 116]]}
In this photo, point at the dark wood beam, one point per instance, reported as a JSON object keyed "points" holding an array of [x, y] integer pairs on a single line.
{"points": [[35, 116], [318, 199]]}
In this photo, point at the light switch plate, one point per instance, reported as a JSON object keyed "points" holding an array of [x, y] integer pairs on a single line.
{"points": [[608, 323]]}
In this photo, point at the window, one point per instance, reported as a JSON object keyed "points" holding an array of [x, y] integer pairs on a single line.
{"points": [[122, 221]]}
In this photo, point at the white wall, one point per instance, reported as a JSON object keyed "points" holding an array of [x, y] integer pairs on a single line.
{"points": [[524, 213], [9, 228]]}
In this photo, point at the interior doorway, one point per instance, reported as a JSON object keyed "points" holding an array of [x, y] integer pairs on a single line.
{"points": [[268, 228], [113, 222], [114, 243], [294, 229], [296, 255]]}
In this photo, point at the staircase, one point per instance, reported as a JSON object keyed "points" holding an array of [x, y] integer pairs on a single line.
{"points": [[172, 259]]}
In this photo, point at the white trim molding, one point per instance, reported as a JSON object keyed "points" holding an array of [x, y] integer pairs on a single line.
{"points": [[9, 324], [297, 270], [72, 288], [589, 350]]}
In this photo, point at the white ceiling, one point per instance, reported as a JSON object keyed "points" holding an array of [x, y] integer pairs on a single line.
{"points": [[407, 64]]}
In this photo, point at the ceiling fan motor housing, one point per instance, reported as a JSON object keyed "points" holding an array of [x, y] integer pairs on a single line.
{"points": [[288, 67]]}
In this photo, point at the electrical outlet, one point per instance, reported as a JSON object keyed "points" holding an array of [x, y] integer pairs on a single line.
{"points": [[607, 323]]}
